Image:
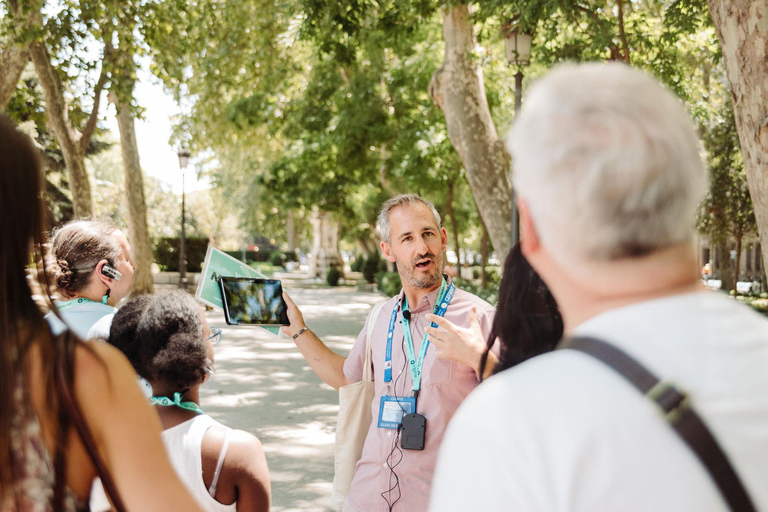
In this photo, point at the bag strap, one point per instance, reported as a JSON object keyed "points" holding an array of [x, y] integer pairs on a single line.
{"points": [[679, 414], [371, 324], [78, 420]]}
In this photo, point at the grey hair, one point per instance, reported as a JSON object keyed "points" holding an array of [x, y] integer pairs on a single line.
{"points": [[608, 162], [402, 200]]}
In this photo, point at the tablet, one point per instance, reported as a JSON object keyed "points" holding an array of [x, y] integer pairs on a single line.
{"points": [[253, 301]]}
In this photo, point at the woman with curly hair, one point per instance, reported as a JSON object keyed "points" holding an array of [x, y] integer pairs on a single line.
{"points": [[69, 411], [93, 271], [169, 342]]}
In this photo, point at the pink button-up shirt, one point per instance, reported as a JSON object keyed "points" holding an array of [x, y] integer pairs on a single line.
{"points": [[443, 387]]}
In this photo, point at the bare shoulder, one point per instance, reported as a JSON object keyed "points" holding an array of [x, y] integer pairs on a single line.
{"points": [[98, 356], [100, 367], [249, 465], [244, 475], [246, 449]]}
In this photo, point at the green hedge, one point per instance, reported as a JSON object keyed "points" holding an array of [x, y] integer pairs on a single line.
{"points": [[357, 265], [333, 276], [389, 283], [758, 304], [490, 294], [250, 255], [372, 266], [277, 259], [166, 253]]}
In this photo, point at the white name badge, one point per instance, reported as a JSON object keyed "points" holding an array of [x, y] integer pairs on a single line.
{"points": [[393, 408]]}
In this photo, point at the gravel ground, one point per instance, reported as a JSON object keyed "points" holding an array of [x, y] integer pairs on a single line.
{"points": [[263, 385]]}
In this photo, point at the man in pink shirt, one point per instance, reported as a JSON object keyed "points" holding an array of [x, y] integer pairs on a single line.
{"points": [[416, 381]]}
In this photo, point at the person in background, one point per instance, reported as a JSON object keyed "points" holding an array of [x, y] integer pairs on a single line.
{"points": [[609, 179], [93, 271], [392, 475], [527, 321], [167, 338], [48, 379]]}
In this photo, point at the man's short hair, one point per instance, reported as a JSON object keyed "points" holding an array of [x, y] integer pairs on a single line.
{"points": [[402, 200], [608, 161]]}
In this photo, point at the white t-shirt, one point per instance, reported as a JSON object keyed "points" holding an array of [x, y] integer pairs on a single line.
{"points": [[80, 318], [564, 432]]}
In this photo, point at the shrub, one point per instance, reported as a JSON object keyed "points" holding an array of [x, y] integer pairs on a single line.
{"points": [[249, 255], [760, 305], [388, 283], [494, 275], [333, 276], [265, 269], [372, 267], [277, 259], [166, 253], [490, 294], [357, 265]]}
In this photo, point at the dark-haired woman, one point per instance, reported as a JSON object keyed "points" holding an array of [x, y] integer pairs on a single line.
{"points": [[224, 469], [49, 382], [527, 321], [93, 271]]}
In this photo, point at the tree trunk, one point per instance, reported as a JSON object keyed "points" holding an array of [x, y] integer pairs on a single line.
{"points": [[454, 225], [72, 142], [484, 257], [366, 247], [325, 248], [12, 62], [742, 27], [725, 268], [23, 17], [290, 230], [457, 88], [141, 247], [737, 270]]}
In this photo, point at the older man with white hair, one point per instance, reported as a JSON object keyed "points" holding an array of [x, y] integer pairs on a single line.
{"points": [[608, 172]]}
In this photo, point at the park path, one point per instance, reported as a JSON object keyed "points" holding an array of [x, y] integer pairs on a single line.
{"points": [[263, 385]]}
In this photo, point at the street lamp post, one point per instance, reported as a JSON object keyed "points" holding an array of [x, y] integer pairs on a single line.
{"points": [[183, 160], [518, 46]]}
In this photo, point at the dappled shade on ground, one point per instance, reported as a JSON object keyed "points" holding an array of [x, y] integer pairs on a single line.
{"points": [[263, 385]]}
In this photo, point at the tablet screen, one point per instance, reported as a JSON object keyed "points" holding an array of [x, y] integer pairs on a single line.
{"points": [[252, 301]]}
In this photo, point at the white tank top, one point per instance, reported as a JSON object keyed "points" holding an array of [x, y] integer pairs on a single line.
{"points": [[183, 443]]}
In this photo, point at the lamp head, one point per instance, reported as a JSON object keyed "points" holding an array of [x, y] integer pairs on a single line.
{"points": [[183, 157], [518, 46]]}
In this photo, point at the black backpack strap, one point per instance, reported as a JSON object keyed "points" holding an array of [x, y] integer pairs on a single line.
{"points": [[678, 413]]}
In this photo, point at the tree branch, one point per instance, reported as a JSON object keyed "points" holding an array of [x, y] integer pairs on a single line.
{"points": [[90, 126], [12, 62], [616, 53], [56, 109], [622, 33], [15, 56]]}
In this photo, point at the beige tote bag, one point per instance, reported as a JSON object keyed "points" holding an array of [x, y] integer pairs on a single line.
{"points": [[353, 423]]}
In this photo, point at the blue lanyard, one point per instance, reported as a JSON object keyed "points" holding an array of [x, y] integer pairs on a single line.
{"points": [[444, 297], [69, 304]]}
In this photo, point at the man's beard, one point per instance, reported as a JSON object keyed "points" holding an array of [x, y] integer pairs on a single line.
{"points": [[418, 279]]}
